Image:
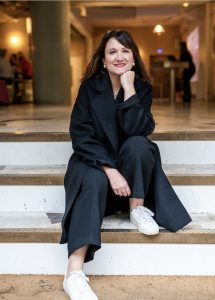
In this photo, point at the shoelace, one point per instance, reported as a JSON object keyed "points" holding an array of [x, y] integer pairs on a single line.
{"points": [[144, 211], [82, 284]]}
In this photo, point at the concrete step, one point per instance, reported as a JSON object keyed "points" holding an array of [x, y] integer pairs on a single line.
{"points": [[51, 148], [51, 198], [62, 136], [29, 227], [40, 188], [55, 153], [33, 238], [54, 174]]}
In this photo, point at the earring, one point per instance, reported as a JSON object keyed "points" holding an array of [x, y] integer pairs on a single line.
{"points": [[104, 66], [133, 64]]}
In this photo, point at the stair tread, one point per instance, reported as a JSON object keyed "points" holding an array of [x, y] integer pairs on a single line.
{"points": [[39, 226], [170, 169], [32, 170], [54, 174], [63, 136], [36, 220]]}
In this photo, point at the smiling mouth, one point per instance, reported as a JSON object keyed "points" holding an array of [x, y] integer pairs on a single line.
{"points": [[120, 65]]}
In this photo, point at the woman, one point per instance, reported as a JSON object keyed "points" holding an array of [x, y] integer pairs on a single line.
{"points": [[114, 166]]}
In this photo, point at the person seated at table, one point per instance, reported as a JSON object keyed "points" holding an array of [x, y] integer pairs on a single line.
{"points": [[25, 65]]}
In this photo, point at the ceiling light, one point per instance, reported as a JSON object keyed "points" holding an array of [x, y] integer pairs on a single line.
{"points": [[158, 29], [83, 11], [14, 40], [185, 4]]}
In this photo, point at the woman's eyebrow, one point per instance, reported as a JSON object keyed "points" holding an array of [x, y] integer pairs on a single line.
{"points": [[111, 49], [116, 49]]}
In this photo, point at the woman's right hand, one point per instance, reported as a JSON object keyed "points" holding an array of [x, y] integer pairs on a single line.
{"points": [[118, 183]]}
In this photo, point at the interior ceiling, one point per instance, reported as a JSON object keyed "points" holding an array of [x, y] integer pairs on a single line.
{"points": [[130, 16], [136, 13], [10, 10], [115, 13]]}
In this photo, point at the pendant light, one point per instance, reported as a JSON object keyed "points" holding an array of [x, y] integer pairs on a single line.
{"points": [[158, 29]]}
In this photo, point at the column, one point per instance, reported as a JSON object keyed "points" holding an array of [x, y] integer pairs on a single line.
{"points": [[51, 51]]}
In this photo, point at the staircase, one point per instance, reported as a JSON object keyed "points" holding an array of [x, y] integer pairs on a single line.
{"points": [[32, 167]]}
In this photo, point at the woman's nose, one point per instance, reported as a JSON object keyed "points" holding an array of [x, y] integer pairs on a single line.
{"points": [[119, 56]]}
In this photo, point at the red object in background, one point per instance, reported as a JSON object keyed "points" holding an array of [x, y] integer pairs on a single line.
{"points": [[26, 68], [4, 98]]}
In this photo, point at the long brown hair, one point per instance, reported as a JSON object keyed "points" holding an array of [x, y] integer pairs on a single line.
{"points": [[95, 67]]}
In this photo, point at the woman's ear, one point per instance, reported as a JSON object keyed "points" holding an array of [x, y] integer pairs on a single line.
{"points": [[104, 65]]}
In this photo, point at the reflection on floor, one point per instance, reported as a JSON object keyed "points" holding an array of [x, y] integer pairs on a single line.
{"points": [[198, 116]]}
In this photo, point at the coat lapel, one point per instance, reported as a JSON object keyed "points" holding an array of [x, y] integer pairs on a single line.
{"points": [[104, 107]]}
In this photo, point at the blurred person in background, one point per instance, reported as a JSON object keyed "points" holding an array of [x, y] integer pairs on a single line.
{"points": [[188, 73], [6, 72], [25, 66], [17, 76]]}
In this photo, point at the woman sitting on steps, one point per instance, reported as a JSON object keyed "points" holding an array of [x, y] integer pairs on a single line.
{"points": [[114, 165]]}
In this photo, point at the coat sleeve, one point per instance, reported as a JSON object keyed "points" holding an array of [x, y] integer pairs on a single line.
{"points": [[83, 135], [134, 115]]}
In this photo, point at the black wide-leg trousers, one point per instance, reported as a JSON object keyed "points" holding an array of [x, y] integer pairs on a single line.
{"points": [[136, 163]]}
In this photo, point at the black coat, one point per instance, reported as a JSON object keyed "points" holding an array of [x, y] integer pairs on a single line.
{"points": [[96, 123]]}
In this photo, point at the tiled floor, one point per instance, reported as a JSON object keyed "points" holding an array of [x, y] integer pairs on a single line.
{"points": [[198, 116]]}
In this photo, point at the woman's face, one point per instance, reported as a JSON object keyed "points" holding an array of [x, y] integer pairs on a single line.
{"points": [[118, 59]]}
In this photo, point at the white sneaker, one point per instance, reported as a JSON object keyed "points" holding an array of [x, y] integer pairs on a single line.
{"points": [[77, 288], [142, 218]]}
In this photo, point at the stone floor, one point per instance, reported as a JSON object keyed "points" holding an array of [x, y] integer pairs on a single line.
{"points": [[197, 116]]}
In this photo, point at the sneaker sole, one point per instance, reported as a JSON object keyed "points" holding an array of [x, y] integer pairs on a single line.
{"points": [[65, 290], [142, 230]]}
